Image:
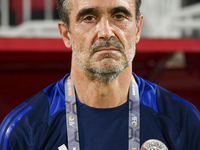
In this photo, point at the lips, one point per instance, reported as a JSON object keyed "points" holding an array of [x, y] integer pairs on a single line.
{"points": [[107, 50]]}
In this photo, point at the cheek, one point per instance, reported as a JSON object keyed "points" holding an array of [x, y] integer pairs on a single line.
{"points": [[81, 29], [80, 49], [126, 32], [84, 30], [80, 44], [130, 30], [83, 37], [130, 34]]}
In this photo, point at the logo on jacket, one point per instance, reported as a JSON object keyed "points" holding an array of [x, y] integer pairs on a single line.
{"points": [[62, 147], [154, 144]]}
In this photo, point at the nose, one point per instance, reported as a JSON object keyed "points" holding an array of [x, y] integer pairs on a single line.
{"points": [[105, 31]]}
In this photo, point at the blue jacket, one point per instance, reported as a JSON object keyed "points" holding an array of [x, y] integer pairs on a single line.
{"points": [[40, 122]]}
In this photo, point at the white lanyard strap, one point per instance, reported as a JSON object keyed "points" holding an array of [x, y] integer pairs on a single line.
{"points": [[71, 116], [72, 119], [134, 116]]}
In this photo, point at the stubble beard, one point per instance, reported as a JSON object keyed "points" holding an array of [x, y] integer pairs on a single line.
{"points": [[108, 72]]}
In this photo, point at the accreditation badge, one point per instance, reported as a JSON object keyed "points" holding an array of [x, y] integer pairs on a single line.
{"points": [[154, 144]]}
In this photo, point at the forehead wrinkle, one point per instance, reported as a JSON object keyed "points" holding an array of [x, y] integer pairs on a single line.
{"points": [[103, 8]]}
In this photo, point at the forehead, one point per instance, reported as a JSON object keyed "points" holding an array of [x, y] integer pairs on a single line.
{"points": [[76, 5]]}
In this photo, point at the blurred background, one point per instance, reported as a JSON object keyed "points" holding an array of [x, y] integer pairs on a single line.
{"points": [[32, 54]]}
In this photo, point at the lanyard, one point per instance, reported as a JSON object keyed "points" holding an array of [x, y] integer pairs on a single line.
{"points": [[72, 119]]}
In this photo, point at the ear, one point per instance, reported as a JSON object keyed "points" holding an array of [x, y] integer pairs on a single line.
{"points": [[62, 27], [139, 27]]}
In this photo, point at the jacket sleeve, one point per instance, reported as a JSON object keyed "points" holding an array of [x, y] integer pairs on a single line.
{"points": [[13, 130]]}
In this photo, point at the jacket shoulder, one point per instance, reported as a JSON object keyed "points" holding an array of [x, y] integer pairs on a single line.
{"points": [[173, 105]]}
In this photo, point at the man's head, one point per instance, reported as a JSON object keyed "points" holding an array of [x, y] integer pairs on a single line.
{"points": [[102, 35]]}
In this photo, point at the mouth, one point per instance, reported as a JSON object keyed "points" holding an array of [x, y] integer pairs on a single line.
{"points": [[107, 53], [107, 49]]}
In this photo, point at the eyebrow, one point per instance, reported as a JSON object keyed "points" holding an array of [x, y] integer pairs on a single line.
{"points": [[86, 11], [120, 9]]}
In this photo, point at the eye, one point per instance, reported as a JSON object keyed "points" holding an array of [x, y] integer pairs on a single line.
{"points": [[88, 18], [119, 16]]}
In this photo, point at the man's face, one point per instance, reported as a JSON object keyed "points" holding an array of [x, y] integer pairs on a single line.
{"points": [[103, 34]]}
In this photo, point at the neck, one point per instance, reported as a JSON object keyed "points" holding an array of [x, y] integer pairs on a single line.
{"points": [[97, 94]]}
